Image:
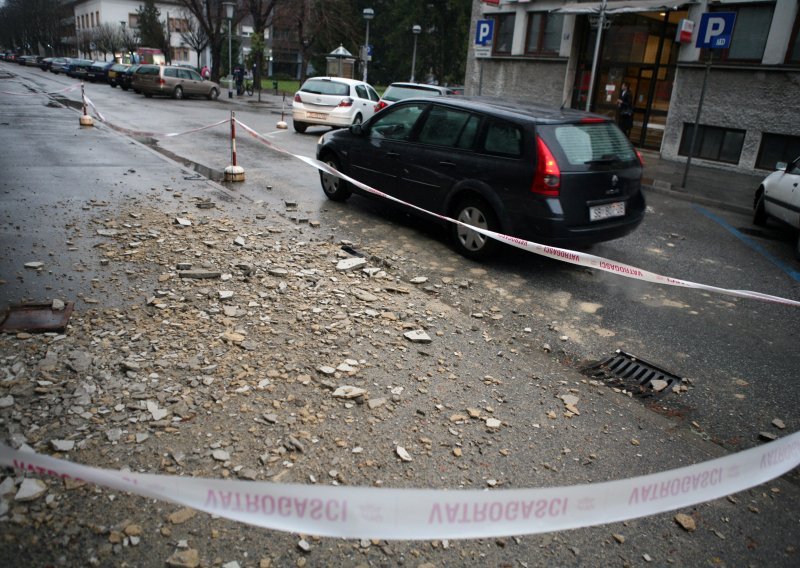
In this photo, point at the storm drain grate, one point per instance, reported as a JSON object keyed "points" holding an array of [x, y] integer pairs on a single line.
{"points": [[625, 371]]}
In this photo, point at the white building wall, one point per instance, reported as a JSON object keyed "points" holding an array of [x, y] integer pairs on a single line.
{"points": [[117, 11]]}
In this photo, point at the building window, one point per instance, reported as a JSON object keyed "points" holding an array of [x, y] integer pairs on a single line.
{"points": [[749, 32], [544, 33], [713, 143], [180, 53], [133, 21], [777, 148], [97, 17], [503, 33], [179, 25]]}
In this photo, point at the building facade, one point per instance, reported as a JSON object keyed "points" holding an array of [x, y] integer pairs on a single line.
{"points": [[90, 14], [578, 53]]}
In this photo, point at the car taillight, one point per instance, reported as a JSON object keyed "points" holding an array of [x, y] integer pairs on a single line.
{"points": [[161, 81], [381, 105], [547, 179], [297, 98], [641, 158], [346, 102], [593, 120]]}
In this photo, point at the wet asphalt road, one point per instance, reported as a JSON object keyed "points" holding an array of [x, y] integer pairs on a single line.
{"points": [[741, 355]]}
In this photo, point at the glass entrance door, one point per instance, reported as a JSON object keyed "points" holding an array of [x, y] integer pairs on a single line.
{"points": [[638, 49]]}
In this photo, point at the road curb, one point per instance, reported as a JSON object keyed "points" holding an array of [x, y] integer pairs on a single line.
{"points": [[664, 188]]}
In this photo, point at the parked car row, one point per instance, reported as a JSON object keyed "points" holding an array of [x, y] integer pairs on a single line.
{"points": [[176, 81]]}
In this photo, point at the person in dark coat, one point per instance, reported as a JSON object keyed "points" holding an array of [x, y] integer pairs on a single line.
{"points": [[238, 76], [625, 109]]}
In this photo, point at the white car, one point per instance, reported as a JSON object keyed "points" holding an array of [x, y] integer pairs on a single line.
{"points": [[778, 197], [399, 91], [333, 101]]}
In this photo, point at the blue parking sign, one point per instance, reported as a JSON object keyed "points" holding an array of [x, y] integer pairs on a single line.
{"points": [[484, 32], [715, 30]]}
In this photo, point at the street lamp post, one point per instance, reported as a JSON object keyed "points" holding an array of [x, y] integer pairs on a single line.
{"points": [[368, 14], [416, 31], [229, 7]]}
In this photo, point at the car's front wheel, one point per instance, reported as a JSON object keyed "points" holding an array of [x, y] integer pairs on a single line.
{"points": [[760, 212], [472, 244], [335, 188], [299, 126], [213, 94]]}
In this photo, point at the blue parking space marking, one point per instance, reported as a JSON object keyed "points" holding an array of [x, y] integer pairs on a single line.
{"points": [[752, 244]]}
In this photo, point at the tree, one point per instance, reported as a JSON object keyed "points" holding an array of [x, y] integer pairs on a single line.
{"points": [[316, 28], [210, 16], [130, 41], [152, 31], [262, 13], [108, 39], [193, 35], [85, 41]]}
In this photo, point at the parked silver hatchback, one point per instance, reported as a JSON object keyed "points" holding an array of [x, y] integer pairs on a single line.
{"points": [[173, 81]]}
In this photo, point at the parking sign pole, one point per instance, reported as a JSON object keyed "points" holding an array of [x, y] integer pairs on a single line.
{"points": [[697, 120]]}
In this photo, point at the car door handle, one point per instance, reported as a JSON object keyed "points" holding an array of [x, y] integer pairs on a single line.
{"points": [[450, 164], [392, 155]]}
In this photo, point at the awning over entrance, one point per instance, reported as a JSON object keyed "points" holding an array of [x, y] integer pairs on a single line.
{"points": [[620, 7]]}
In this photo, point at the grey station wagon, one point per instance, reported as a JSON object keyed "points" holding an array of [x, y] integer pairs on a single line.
{"points": [[554, 176]]}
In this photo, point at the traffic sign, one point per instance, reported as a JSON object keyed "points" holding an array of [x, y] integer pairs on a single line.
{"points": [[484, 32], [715, 30]]}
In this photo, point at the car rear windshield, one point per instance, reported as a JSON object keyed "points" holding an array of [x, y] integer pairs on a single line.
{"points": [[395, 94], [319, 87], [587, 143]]}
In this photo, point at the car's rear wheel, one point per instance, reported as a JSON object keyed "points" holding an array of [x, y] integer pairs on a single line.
{"points": [[213, 94], [476, 212], [760, 212], [299, 126], [177, 93], [358, 119], [335, 188]]}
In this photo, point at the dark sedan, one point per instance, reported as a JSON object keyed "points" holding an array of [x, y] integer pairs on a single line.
{"points": [[125, 78], [97, 70], [553, 176]]}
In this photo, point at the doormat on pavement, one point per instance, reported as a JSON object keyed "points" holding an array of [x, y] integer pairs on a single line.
{"points": [[36, 318]]}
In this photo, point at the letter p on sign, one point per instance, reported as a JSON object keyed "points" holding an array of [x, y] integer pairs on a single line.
{"points": [[484, 32], [715, 30]]}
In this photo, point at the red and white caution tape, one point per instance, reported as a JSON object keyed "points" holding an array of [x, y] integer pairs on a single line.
{"points": [[426, 514], [150, 134], [564, 255]]}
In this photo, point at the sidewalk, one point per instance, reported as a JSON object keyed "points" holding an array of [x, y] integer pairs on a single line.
{"points": [[715, 187]]}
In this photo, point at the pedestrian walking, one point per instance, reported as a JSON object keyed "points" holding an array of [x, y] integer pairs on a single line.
{"points": [[625, 109], [205, 72]]}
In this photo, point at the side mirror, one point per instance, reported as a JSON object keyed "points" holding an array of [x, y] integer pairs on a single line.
{"points": [[357, 130], [781, 166]]}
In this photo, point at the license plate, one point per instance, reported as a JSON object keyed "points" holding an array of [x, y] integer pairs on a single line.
{"points": [[600, 212], [317, 115]]}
